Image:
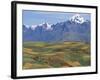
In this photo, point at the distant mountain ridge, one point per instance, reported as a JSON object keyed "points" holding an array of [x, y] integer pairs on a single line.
{"points": [[74, 29]]}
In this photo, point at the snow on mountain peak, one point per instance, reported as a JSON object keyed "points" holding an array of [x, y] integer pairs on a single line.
{"points": [[77, 18], [27, 26], [46, 26], [33, 27]]}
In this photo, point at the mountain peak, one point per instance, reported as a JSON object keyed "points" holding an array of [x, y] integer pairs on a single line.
{"points": [[26, 26], [77, 18], [33, 27], [46, 26]]}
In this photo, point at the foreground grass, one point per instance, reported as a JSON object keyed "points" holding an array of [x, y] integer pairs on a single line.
{"points": [[49, 55]]}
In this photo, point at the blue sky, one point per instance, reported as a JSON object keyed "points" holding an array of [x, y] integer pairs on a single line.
{"points": [[37, 17]]}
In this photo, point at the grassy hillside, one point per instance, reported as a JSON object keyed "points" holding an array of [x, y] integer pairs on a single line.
{"points": [[55, 55]]}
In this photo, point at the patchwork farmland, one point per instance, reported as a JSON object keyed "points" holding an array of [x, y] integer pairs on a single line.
{"points": [[38, 55]]}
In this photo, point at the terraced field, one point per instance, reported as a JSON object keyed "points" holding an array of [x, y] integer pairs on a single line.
{"points": [[55, 55]]}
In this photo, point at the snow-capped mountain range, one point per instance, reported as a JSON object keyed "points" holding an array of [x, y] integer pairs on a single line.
{"points": [[76, 19], [74, 29], [45, 25]]}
